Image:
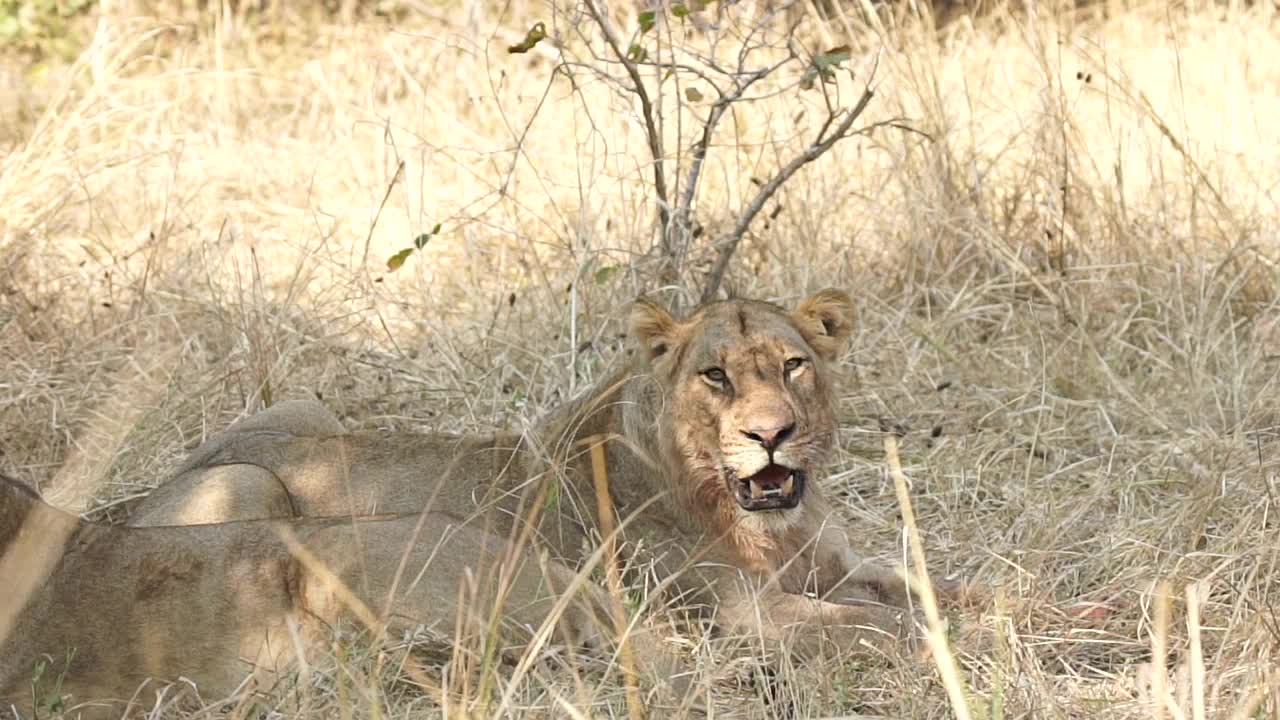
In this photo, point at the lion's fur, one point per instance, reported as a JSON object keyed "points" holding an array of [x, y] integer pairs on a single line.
{"points": [[670, 436], [212, 603]]}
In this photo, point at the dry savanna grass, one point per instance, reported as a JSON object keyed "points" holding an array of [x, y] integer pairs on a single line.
{"points": [[1063, 251]]}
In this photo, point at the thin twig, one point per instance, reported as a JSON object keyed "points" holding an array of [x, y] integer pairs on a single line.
{"points": [[823, 143], [364, 258]]}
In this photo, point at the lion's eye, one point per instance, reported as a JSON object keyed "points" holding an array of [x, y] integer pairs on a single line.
{"points": [[793, 364], [715, 376]]}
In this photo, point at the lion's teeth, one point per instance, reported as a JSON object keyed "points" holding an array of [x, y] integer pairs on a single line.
{"points": [[757, 492], [789, 485]]}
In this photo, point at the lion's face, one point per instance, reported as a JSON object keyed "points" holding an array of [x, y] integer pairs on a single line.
{"points": [[748, 408]]}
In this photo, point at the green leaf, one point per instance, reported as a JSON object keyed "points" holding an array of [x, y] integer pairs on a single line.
{"points": [[535, 35], [647, 20], [604, 273], [422, 240], [824, 65], [679, 10], [635, 53], [553, 497], [832, 57], [692, 94], [395, 261]]}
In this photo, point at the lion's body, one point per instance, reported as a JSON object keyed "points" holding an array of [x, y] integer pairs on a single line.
{"points": [[362, 473], [680, 447], [214, 603]]}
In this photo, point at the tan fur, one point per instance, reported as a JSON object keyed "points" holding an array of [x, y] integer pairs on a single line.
{"points": [[674, 436], [214, 603]]}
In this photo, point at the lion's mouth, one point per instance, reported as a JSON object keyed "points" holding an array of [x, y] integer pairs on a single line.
{"points": [[776, 487]]}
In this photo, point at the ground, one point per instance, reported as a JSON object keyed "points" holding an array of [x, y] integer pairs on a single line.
{"points": [[1065, 273]]}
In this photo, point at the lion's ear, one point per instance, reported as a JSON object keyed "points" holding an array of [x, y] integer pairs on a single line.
{"points": [[653, 327], [826, 321]]}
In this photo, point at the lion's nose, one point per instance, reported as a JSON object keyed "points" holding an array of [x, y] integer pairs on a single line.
{"points": [[770, 437]]}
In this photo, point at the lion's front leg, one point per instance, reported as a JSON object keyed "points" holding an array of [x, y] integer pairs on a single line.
{"points": [[838, 574], [862, 577], [812, 626], [851, 577]]}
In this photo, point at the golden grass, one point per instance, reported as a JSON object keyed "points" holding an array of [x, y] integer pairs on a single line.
{"points": [[613, 575], [936, 632], [1067, 292]]}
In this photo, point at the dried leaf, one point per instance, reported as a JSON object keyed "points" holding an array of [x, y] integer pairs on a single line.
{"points": [[535, 35], [396, 261]]}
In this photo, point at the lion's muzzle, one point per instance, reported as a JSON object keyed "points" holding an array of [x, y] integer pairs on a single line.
{"points": [[776, 487]]}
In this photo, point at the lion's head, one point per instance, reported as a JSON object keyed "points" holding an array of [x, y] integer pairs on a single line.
{"points": [[747, 406]]}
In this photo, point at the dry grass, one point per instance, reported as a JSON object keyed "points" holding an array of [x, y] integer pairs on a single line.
{"points": [[1067, 290]]}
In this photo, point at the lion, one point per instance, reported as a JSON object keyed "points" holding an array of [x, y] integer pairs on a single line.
{"points": [[713, 435], [95, 612]]}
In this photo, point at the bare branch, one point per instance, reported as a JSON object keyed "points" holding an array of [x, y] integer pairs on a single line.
{"points": [[364, 258], [684, 208], [732, 83], [650, 125], [821, 144]]}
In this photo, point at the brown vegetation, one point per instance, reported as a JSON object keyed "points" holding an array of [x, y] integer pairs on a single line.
{"points": [[1064, 269]]}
